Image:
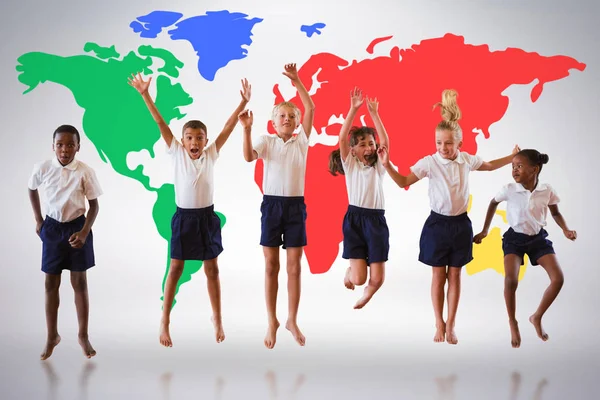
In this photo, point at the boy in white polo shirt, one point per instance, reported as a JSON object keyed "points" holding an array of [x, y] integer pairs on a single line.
{"points": [[446, 242], [196, 228], [527, 204], [283, 209], [66, 233], [366, 234]]}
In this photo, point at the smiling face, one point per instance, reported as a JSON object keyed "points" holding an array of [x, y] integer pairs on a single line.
{"points": [[285, 120], [65, 146], [446, 144], [194, 141]]}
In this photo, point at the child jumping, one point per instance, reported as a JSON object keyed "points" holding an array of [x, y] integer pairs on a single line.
{"points": [[66, 233], [446, 242], [283, 210], [527, 204], [196, 228], [366, 234]]}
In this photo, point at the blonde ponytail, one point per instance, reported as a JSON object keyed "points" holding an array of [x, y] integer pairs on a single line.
{"points": [[450, 113]]}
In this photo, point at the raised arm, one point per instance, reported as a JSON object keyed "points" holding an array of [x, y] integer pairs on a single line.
{"points": [[558, 217], [356, 100], [309, 106], [500, 162], [401, 180], [142, 87], [34, 198], [246, 93], [488, 220], [246, 119], [384, 139]]}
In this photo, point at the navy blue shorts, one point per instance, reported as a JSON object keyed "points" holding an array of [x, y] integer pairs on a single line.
{"points": [[283, 221], [57, 253], [366, 235], [195, 234], [520, 244], [446, 240]]}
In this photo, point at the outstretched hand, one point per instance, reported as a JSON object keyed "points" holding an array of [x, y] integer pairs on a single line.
{"points": [[356, 98], [291, 71], [372, 105], [516, 149], [246, 91], [246, 118], [138, 83], [384, 156]]}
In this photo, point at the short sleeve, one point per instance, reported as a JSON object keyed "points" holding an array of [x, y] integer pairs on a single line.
{"points": [[174, 147], [35, 180], [91, 185], [474, 161], [554, 199], [302, 138], [347, 163], [502, 195], [260, 145], [421, 168], [211, 151], [380, 168]]}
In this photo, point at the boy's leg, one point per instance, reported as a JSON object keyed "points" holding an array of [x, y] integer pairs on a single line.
{"points": [[294, 256], [52, 285], [175, 271], [271, 288], [79, 283], [211, 269]]}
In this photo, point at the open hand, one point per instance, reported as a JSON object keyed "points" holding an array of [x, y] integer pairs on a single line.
{"points": [[384, 156], [356, 98], [138, 83], [372, 105], [516, 149], [246, 91], [290, 71], [246, 118]]}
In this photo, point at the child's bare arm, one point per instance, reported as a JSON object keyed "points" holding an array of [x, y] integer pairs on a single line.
{"points": [[142, 86], [356, 100], [77, 240], [246, 118], [488, 221], [309, 106], [34, 198], [384, 139], [246, 93], [500, 162], [560, 220], [399, 179]]}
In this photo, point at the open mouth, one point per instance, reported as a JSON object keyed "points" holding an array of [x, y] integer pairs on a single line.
{"points": [[194, 151]]}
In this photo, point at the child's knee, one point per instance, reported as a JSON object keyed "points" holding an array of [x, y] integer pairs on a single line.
{"points": [[558, 280], [211, 271], [79, 282], [376, 281], [359, 278], [293, 269], [511, 283], [176, 267], [52, 283], [271, 267], [454, 275]]}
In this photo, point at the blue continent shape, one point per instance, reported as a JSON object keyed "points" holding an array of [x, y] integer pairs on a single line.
{"points": [[312, 29], [149, 26]]}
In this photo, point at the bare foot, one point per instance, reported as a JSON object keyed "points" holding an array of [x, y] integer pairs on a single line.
{"points": [[347, 282], [537, 323], [293, 327], [440, 332], [515, 335], [86, 346], [271, 336], [451, 335], [165, 336], [219, 333], [51, 343], [363, 300]]}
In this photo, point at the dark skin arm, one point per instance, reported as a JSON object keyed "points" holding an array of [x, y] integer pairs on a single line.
{"points": [[488, 221], [34, 198], [77, 240], [560, 221]]}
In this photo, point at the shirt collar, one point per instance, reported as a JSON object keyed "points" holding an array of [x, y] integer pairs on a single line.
{"points": [[71, 166], [540, 187], [445, 161]]}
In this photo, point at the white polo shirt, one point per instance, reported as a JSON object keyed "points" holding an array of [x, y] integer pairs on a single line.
{"points": [[194, 179], [65, 188], [284, 163], [448, 181], [526, 211], [364, 183]]}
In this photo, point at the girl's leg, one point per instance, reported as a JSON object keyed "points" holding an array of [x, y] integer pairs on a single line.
{"points": [[453, 299], [512, 267], [271, 288], [79, 283], [356, 274], [550, 264], [52, 285], [175, 271], [211, 269], [438, 282], [376, 278], [294, 256]]}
